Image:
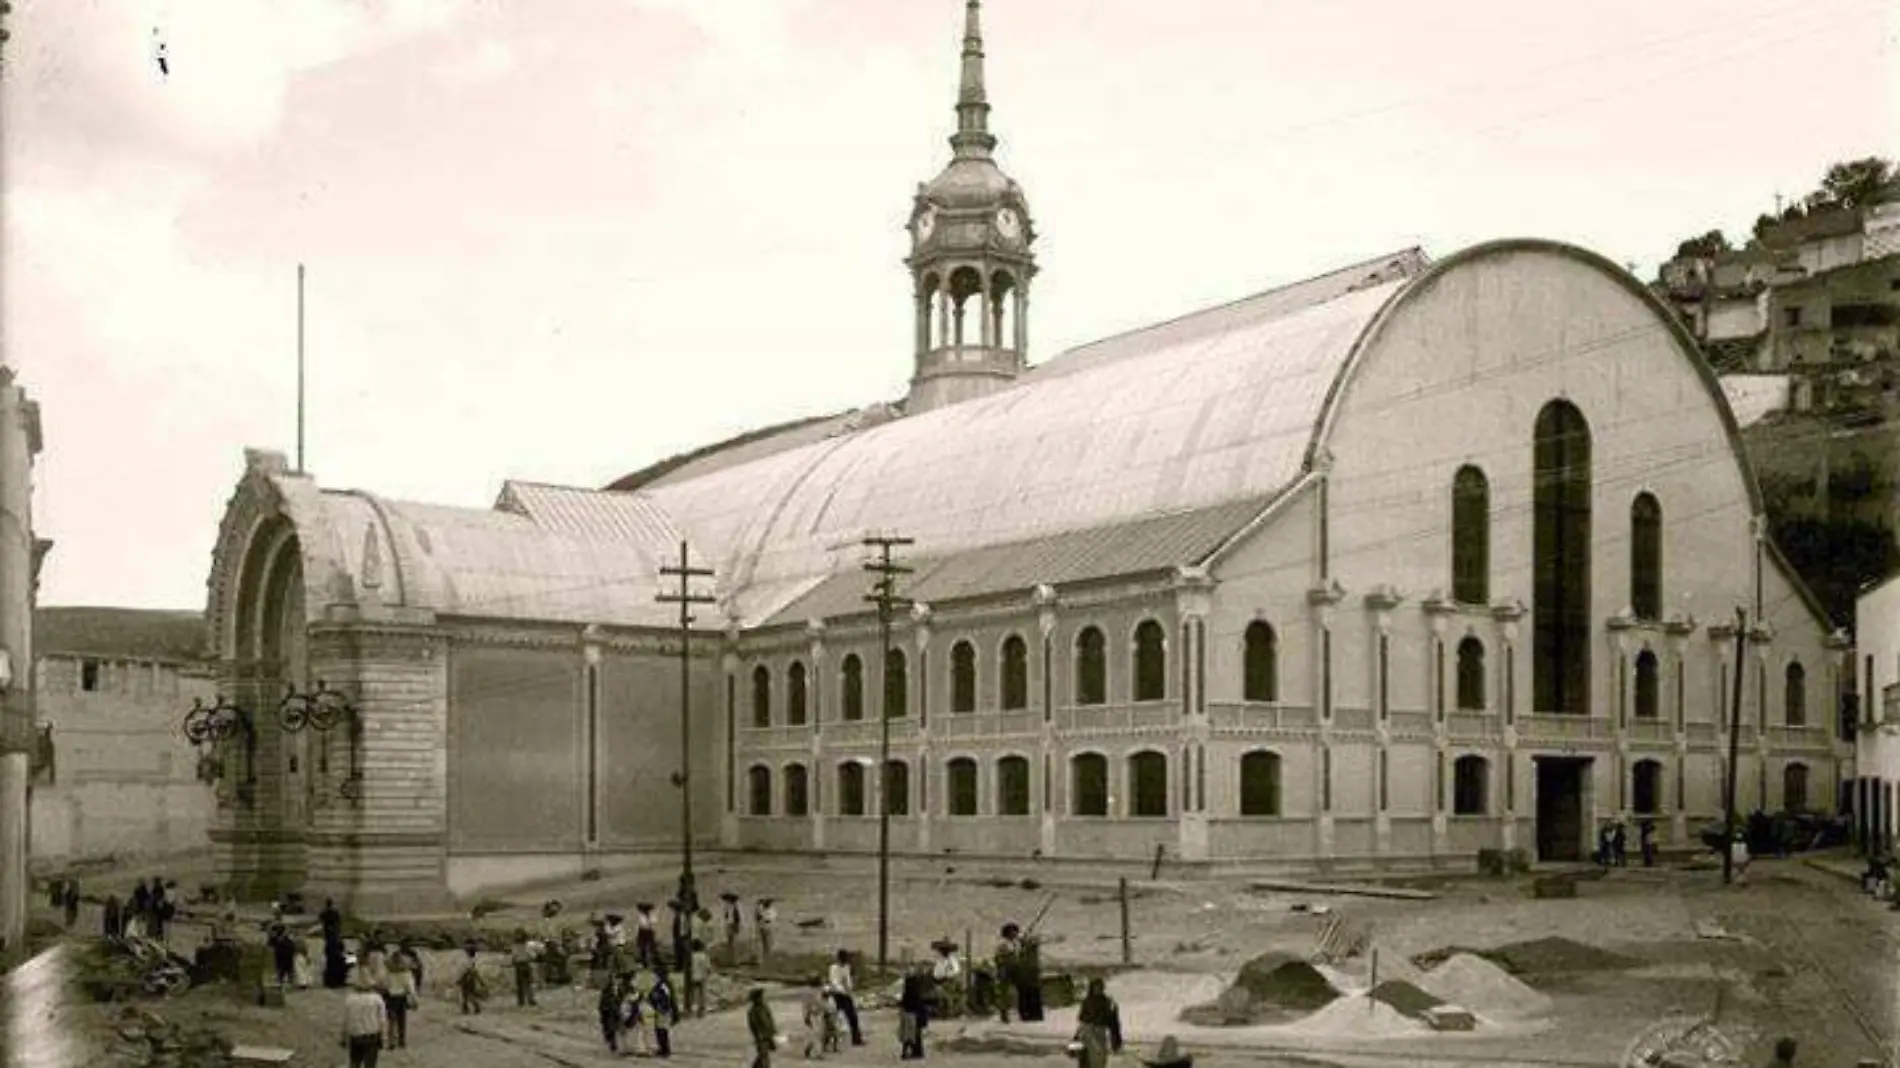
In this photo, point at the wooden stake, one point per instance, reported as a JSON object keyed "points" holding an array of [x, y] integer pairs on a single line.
{"points": [[1128, 953]]}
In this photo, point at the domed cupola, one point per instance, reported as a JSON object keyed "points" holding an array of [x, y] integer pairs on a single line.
{"points": [[970, 257]]}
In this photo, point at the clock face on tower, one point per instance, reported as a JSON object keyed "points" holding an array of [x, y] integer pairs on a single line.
{"points": [[1009, 224], [926, 224]]}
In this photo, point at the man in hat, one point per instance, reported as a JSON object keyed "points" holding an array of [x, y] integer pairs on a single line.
{"points": [[682, 926], [1008, 961], [763, 919], [733, 918], [947, 978], [646, 945], [764, 1028]]}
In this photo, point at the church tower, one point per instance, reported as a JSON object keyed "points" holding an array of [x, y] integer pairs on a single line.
{"points": [[970, 257]]}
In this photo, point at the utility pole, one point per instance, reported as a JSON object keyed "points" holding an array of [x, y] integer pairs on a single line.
{"points": [[1734, 747], [686, 599], [884, 595], [19, 442]]}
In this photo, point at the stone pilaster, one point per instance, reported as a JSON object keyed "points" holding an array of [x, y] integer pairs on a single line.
{"points": [[1322, 600], [728, 670]]}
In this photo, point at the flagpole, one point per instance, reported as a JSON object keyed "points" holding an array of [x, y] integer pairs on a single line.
{"points": [[300, 368]]}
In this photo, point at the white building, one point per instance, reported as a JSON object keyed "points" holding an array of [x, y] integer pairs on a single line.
{"points": [[1877, 757]]}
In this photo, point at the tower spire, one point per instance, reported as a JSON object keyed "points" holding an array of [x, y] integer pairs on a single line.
{"points": [[973, 139]]}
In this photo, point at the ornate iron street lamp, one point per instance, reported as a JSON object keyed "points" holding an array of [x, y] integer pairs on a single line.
{"points": [[323, 710], [217, 723]]}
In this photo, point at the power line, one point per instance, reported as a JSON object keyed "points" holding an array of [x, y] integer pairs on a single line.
{"points": [[688, 893], [884, 595]]}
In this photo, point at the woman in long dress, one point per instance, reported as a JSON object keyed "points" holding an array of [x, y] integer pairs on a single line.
{"points": [[1100, 1026]]}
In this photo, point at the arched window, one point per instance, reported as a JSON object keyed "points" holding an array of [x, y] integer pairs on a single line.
{"points": [[1471, 675], [1560, 551], [1795, 699], [960, 781], [1470, 537], [759, 783], [1260, 784], [761, 697], [963, 677], [1646, 557], [1151, 662], [1646, 787], [851, 789], [1015, 680], [1012, 786], [1794, 788], [896, 685], [1088, 785], [1148, 783], [1470, 786], [797, 799], [851, 679], [795, 694], [1261, 663], [1091, 667], [1648, 686], [897, 788]]}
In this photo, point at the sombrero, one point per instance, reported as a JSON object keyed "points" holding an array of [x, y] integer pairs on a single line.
{"points": [[645, 906], [944, 945], [728, 895]]}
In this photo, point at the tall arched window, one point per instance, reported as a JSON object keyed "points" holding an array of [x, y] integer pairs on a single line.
{"points": [[1470, 786], [1794, 787], [963, 677], [1646, 561], [1471, 675], [1646, 787], [795, 694], [1795, 696], [1648, 686], [797, 798], [761, 697], [1260, 784], [851, 681], [759, 786], [1470, 537], [1091, 667], [851, 789], [897, 788], [1261, 663], [1088, 785], [1151, 662], [896, 685], [960, 783], [1148, 783], [1015, 677], [1012, 786], [1560, 505]]}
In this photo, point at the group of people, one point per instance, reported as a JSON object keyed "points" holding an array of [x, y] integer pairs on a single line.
{"points": [[1613, 842], [143, 916]]}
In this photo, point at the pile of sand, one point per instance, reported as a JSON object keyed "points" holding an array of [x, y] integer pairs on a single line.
{"points": [[1475, 984], [1284, 981], [1405, 997], [1358, 1016]]}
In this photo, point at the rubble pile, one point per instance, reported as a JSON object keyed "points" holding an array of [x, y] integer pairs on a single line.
{"points": [[150, 1041], [119, 970]]}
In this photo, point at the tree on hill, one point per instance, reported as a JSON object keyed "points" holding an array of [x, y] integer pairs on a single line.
{"points": [[1704, 246], [1854, 183]]}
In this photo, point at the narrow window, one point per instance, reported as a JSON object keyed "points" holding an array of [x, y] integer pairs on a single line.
{"points": [[1648, 687], [960, 776], [89, 675], [1326, 674], [1088, 785], [1012, 786], [1438, 677], [795, 694], [1326, 780], [963, 677], [1151, 662], [1646, 557], [1646, 788], [1471, 675], [1794, 788], [851, 789], [897, 788], [1385, 676], [797, 799], [759, 779], [1561, 485], [1469, 786], [761, 697], [1384, 781], [1091, 667], [1261, 667], [896, 685], [593, 753], [1148, 783], [851, 678], [1015, 680], [1470, 537], [1795, 702]]}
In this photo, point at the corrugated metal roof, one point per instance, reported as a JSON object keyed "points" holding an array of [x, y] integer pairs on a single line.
{"points": [[1146, 545], [591, 513], [122, 633]]}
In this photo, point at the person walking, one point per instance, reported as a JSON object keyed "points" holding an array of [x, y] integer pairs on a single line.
{"points": [[1029, 978], [400, 995], [522, 958], [696, 982], [1099, 1026], [141, 899], [844, 990], [764, 918], [114, 919], [646, 945], [364, 1019], [1620, 842], [763, 1028], [470, 984], [1646, 840], [820, 1027], [1007, 960], [913, 1016], [283, 954], [680, 924], [734, 918], [666, 1012], [161, 910], [612, 1014]]}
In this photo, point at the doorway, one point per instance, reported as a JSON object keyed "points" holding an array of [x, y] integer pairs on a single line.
{"points": [[1560, 807]]}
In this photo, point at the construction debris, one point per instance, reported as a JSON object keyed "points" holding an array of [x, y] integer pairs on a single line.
{"points": [[150, 1041], [1396, 893]]}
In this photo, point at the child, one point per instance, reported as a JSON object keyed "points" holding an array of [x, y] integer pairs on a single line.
{"points": [[696, 983], [635, 1017], [817, 1013], [470, 983]]}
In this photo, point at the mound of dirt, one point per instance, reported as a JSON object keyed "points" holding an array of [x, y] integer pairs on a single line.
{"points": [[1284, 981], [1557, 956], [1359, 1016], [1404, 997], [1476, 984]]}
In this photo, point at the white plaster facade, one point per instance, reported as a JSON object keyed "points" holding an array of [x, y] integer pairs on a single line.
{"points": [[1877, 760]]}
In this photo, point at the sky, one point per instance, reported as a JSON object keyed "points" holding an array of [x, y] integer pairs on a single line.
{"points": [[564, 239]]}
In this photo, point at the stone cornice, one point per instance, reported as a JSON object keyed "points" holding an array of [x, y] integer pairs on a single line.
{"points": [[1383, 598], [1509, 611], [1326, 594]]}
